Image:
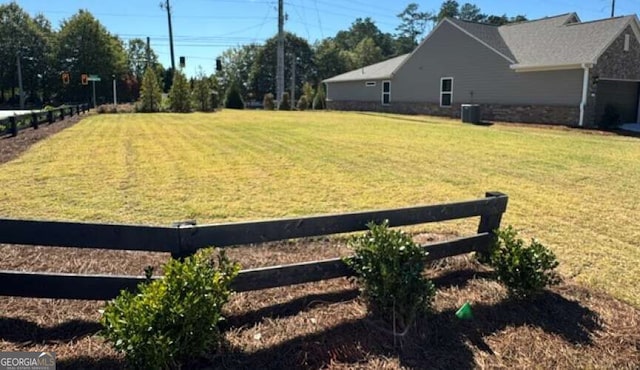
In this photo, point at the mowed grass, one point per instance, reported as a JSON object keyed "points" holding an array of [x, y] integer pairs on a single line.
{"points": [[577, 192]]}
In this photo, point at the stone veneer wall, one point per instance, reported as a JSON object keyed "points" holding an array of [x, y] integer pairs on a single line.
{"points": [[550, 114], [614, 63]]}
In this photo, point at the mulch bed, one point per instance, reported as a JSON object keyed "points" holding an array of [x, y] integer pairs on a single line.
{"points": [[325, 324], [12, 147]]}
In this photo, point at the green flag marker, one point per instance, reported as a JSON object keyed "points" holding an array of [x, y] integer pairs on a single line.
{"points": [[465, 313]]}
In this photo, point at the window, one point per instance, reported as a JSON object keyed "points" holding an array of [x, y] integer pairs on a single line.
{"points": [[627, 39], [446, 91], [386, 92], [370, 83]]}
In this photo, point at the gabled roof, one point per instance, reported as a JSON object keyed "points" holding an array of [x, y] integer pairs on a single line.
{"points": [[488, 34], [376, 71], [559, 42]]}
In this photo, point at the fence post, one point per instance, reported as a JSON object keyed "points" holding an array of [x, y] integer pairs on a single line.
{"points": [[71, 111], [50, 116], [13, 123], [34, 120], [184, 248], [490, 222], [61, 114]]}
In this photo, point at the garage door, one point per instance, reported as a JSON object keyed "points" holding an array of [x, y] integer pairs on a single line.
{"points": [[622, 95]]}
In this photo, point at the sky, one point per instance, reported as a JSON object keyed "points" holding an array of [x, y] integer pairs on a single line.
{"points": [[203, 29]]}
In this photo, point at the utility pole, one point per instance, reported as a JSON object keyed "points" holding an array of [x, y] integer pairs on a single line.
{"points": [[613, 8], [21, 91], [115, 100], [168, 7], [293, 81], [280, 60], [148, 53]]}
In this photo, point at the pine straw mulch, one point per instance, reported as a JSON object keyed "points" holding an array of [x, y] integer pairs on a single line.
{"points": [[12, 147], [325, 325]]}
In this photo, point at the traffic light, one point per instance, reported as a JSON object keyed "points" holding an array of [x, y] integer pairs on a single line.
{"points": [[218, 64], [182, 62], [65, 78], [84, 79]]}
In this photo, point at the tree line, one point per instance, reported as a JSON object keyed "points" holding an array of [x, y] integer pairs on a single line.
{"points": [[82, 45]]}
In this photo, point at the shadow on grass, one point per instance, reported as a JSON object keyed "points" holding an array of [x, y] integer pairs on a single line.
{"points": [[21, 331], [437, 341]]}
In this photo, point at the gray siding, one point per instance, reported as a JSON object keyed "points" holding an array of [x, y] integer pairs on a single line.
{"points": [[355, 90], [477, 69]]}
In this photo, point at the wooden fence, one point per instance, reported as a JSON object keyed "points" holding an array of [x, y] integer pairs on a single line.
{"points": [[185, 239], [14, 124]]}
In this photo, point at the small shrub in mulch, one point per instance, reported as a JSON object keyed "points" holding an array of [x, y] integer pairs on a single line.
{"points": [[174, 319]]}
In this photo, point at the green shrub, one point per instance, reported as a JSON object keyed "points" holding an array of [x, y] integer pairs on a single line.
{"points": [[268, 102], [389, 266], [303, 103], [524, 270], [173, 319], [234, 98], [610, 119], [285, 104]]}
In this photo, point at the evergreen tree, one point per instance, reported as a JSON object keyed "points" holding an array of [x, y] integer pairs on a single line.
{"points": [[180, 94], [150, 92], [319, 99], [234, 99]]}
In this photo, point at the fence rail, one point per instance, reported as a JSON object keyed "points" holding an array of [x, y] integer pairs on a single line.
{"points": [[14, 124], [185, 239]]}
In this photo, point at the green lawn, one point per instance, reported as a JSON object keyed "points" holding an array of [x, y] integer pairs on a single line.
{"points": [[577, 192]]}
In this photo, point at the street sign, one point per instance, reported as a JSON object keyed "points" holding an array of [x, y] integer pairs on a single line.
{"points": [[94, 78]]}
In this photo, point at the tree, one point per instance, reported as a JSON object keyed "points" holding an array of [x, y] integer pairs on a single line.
{"points": [[366, 53], [263, 73], [448, 9], [308, 93], [234, 99], [413, 23], [237, 64], [180, 94], [30, 40], [319, 99], [330, 60], [85, 46], [151, 94], [202, 89], [137, 57], [361, 29], [471, 13]]}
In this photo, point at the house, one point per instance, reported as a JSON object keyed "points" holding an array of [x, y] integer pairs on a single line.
{"points": [[552, 70]]}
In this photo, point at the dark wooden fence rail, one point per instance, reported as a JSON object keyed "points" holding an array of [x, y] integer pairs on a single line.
{"points": [[184, 239], [12, 124]]}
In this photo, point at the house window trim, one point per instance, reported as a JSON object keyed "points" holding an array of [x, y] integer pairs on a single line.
{"points": [[370, 84], [383, 93], [627, 42], [446, 92]]}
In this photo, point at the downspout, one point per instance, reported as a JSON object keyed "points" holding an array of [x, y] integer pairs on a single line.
{"points": [[585, 90]]}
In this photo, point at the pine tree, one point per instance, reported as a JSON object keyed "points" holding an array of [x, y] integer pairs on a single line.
{"points": [[180, 94], [234, 99], [150, 92]]}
